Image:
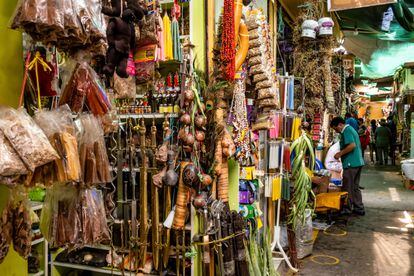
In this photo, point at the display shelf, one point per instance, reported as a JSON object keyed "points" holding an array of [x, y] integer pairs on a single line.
{"points": [[40, 273], [37, 241], [88, 268], [93, 269], [36, 205], [148, 116]]}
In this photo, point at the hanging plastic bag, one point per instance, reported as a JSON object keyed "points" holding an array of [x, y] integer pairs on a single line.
{"points": [[304, 236], [148, 30], [6, 231], [94, 224], [11, 164], [22, 228], [60, 221], [93, 156], [124, 88], [84, 91], [60, 129], [26, 137]]}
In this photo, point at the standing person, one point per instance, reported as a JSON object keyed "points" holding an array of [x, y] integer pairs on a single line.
{"points": [[393, 128], [382, 141], [372, 146], [349, 120], [364, 136], [352, 163]]}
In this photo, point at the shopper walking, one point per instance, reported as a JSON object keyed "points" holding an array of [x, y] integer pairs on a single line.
{"points": [[372, 146], [349, 120], [364, 137], [352, 163], [383, 141]]}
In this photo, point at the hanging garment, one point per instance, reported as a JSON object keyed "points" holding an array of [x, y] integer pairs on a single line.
{"points": [[175, 32], [161, 41], [168, 48]]}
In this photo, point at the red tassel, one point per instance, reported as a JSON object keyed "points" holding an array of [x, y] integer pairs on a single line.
{"points": [[228, 47]]}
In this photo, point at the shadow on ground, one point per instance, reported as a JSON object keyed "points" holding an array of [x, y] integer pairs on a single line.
{"points": [[381, 242]]}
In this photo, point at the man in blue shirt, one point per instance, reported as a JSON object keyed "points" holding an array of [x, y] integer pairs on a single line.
{"points": [[352, 163], [349, 120]]}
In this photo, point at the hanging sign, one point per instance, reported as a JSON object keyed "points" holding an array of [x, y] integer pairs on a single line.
{"points": [[337, 5]]}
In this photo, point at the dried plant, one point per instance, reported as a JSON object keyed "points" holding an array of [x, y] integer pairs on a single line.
{"points": [[312, 60]]}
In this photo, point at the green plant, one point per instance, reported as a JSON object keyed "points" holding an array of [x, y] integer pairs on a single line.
{"points": [[302, 148], [259, 254]]}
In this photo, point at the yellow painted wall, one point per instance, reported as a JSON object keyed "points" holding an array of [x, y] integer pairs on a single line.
{"points": [[198, 32], [11, 70], [11, 64]]}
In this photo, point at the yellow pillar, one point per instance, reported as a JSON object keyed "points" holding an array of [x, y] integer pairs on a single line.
{"points": [[11, 70], [198, 32]]}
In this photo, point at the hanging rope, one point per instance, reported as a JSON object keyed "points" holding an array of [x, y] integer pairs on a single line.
{"points": [[34, 63]]}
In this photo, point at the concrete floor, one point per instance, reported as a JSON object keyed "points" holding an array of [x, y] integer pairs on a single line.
{"points": [[381, 242]]}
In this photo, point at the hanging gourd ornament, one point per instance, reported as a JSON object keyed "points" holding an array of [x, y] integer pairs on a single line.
{"points": [[241, 35], [309, 28], [326, 25]]}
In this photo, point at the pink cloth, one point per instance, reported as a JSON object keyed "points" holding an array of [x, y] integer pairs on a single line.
{"points": [[274, 132], [161, 42]]}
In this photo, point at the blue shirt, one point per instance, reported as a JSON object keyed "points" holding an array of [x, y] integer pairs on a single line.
{"points": [[354, 158], [353, 123]]}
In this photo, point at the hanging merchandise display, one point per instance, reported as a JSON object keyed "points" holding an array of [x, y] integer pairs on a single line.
{"points": [[68, 25], [313, 57], [146, 164]]}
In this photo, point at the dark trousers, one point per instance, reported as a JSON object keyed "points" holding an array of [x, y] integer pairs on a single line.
{"points": [[350, 184], [383, 154], [372, 150]]}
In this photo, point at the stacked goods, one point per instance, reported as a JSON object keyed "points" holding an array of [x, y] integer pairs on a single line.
{"points": [[260, 61], [67, 24]]}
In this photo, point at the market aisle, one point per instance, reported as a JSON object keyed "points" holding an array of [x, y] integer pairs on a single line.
{"points": [[381, 242]]}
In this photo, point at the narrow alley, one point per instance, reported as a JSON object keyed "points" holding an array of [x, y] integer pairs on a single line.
{"points": [[379, 243]]}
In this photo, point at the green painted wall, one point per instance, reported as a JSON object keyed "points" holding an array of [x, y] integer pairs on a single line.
{"points": [[11, 70]]}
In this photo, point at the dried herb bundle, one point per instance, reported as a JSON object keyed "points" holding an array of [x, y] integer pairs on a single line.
{"points": [[312, 60]]}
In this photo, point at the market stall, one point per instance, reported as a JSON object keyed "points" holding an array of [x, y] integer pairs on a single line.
{"points": [[146, 163]]}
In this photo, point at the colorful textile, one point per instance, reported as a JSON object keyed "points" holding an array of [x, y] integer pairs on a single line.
{"points": [[168, 43], [175, 33]]}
